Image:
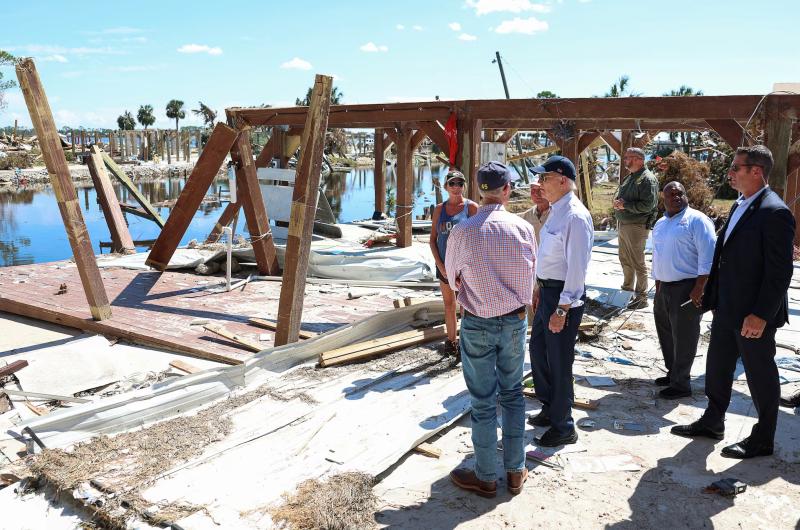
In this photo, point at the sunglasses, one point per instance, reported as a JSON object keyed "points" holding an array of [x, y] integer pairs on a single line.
{"points": [[737, 167], [459, 183]]}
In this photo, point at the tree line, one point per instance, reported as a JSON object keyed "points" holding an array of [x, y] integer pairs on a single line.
{"points": [[174, 111]]}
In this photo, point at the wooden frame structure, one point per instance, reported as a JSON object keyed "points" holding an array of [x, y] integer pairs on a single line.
{"points": [[573, 124]]}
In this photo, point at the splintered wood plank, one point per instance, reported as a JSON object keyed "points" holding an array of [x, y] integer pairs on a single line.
{"points": [[61, 180], [119, 174], [121, 240], [225, 219], [244, 342], [249, 195], [273, 326], [304, 203], [214, 153], [371, 348]]}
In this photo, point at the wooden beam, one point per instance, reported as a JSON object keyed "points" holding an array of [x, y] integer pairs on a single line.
{"points": [[586, 139], [641, 108], [535, 152], [61, 180], [120, 175], [778, 130], [379, 173], [372, 348], [585, 181], [507, 135], [405, 184], [392, 134], [243, 342], [436, 133], [273, 326], [469, 134], [121, 240], [271, 149], [200, 180], [224, 220], [304, 206], [612, 141], [625, 143], [248, 192], [730, 131], [184, 366], [417, 139], [428, 450]]}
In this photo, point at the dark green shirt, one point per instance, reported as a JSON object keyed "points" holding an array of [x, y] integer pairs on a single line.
{"points": [[640, 192]]}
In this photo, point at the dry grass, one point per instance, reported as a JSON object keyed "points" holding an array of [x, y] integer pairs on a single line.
{"points": [[124, 465], [341, 502]]}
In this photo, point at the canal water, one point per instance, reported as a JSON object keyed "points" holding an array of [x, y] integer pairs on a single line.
{"points": [[31, 229]]}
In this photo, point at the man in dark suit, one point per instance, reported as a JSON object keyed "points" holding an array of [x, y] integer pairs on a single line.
{"points": [[747, 290]]}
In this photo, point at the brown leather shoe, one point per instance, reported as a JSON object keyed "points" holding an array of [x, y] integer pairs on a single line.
{"points": [[515, 480], [466, 480]]}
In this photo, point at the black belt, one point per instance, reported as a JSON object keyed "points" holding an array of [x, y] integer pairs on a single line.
{"points": [[551, 284], [517, 311], [678, 282]]}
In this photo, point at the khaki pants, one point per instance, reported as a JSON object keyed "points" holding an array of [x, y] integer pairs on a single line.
{"points": [[632, 240]]}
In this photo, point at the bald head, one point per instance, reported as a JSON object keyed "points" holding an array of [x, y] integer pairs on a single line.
{"points": [[675, 199]]}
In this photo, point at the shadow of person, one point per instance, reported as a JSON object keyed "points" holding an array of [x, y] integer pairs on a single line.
{"points": [[671, 493], [447, 506]]}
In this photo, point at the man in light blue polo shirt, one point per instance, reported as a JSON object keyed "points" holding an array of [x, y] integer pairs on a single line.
{"points": [[683, 249]]}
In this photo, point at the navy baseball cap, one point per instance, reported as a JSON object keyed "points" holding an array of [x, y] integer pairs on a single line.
{"points": [[557, 164], [494, 175]]}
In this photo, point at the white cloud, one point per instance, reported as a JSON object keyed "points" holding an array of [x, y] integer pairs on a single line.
{"points": [[528, 26], [371, 47], [56, 58], [296, 64], [200, 48], [467, 37], [455, 26], [484, 7], [400, 27], [417, 28]]}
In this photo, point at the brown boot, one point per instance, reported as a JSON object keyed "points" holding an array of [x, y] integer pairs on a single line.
{"points": [[467, 480], [515, 480]]}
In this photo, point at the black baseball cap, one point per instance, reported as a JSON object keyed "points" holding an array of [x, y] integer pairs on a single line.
{"points": [[494, 175], [557, 164]]}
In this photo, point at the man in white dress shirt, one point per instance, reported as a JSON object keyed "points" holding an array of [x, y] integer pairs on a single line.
{"points": [[683, 249], [563, 258]]}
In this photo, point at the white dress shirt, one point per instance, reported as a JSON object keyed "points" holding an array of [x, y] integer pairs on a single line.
{"points": [[743, 205], [566, 248], [683, 246]]}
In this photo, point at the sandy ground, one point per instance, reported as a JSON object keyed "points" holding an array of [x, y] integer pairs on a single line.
{"points": [[666, 490]]}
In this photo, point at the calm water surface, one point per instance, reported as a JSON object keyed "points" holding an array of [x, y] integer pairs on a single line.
{"points": [[31, 229]]}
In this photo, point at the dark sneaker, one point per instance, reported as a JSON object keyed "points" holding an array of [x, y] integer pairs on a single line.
{"points": [[467, 480], [540, 420], [662, 381]]}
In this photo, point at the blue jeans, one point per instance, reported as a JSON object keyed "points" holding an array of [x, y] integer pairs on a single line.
{"points": [[492, 355]]}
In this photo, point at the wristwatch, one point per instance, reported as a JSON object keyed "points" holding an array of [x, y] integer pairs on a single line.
{"points": [[560, 312]]}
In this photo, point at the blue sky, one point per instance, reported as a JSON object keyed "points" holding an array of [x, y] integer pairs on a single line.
{"points": [[98, 59]]}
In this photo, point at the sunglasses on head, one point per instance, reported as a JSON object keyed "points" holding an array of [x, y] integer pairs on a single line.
{"points": [[457, 182]]}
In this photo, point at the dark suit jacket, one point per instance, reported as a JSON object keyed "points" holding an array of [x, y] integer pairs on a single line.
{"points": [[752, 271]]}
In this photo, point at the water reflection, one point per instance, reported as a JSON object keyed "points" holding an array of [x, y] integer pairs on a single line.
{"points": [[32, 231]]}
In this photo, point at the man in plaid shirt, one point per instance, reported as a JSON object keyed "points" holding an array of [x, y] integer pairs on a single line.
{"points": [[490, 262]]}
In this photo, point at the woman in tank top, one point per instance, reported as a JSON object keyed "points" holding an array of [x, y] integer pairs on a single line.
{"points": [[445, 216]]}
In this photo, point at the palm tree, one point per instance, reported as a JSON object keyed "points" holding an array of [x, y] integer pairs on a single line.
{"points": [[208, 115], [687, 139], [175, 111], [336, 98], [126, 122], [5, 58], [145, 116], [620, 89], [546, 94]]}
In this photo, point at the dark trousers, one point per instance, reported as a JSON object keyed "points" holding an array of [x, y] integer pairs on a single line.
{"points": [[678, 330], [552, 355], [758, 357]]}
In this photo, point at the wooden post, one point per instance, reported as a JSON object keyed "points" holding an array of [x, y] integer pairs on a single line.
{"points": [[249, 195], [192, 195], [469, 133], [120, 175], [778, 130], [50, 144], [405, 184], [166, 142], [225, 219], [627, 141], [585, 183], [121, 240], [304, 206], [380, 178]]}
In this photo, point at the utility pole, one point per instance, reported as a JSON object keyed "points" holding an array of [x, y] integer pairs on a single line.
{"points": [[516, 137]]}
